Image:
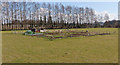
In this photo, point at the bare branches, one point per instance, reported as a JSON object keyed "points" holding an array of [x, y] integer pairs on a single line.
{"points": [[44, 14]]}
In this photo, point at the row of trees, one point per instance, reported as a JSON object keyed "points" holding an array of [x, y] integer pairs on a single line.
{"points": [[18, 15], [112, 24]]}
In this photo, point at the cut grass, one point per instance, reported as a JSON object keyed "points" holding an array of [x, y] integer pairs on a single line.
{"points": [[18, 48]]}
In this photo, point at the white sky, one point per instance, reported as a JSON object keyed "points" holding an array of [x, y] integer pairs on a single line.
{"points": [[63, 0]]}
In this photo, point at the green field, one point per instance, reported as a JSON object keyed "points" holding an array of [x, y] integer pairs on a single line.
{"points": [[18, 48]]}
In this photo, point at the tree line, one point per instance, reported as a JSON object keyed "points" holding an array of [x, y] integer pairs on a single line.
{"points": [[22, 15]]}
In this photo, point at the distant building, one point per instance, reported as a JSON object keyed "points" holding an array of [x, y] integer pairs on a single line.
{"points": [[101, 23]]}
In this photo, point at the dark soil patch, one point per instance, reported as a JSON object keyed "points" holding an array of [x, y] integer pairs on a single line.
{"points": [[61, 35]]}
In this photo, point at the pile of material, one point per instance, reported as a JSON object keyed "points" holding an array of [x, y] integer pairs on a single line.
{"points": [[63, 34]]}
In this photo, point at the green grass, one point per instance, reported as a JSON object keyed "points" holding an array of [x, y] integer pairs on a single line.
{"points": [[18, 48]]}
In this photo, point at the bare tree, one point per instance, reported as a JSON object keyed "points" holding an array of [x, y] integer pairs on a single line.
{"points": [[55, 15], [106, 17]]}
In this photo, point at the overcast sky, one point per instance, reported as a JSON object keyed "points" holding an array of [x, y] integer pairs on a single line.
{"points": [[65, 0]]}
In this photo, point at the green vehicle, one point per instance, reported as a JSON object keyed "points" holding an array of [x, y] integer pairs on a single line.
{"points": [[28, 32]]}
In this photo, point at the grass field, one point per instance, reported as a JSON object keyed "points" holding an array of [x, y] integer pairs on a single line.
{"points": [[18, 48]]}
